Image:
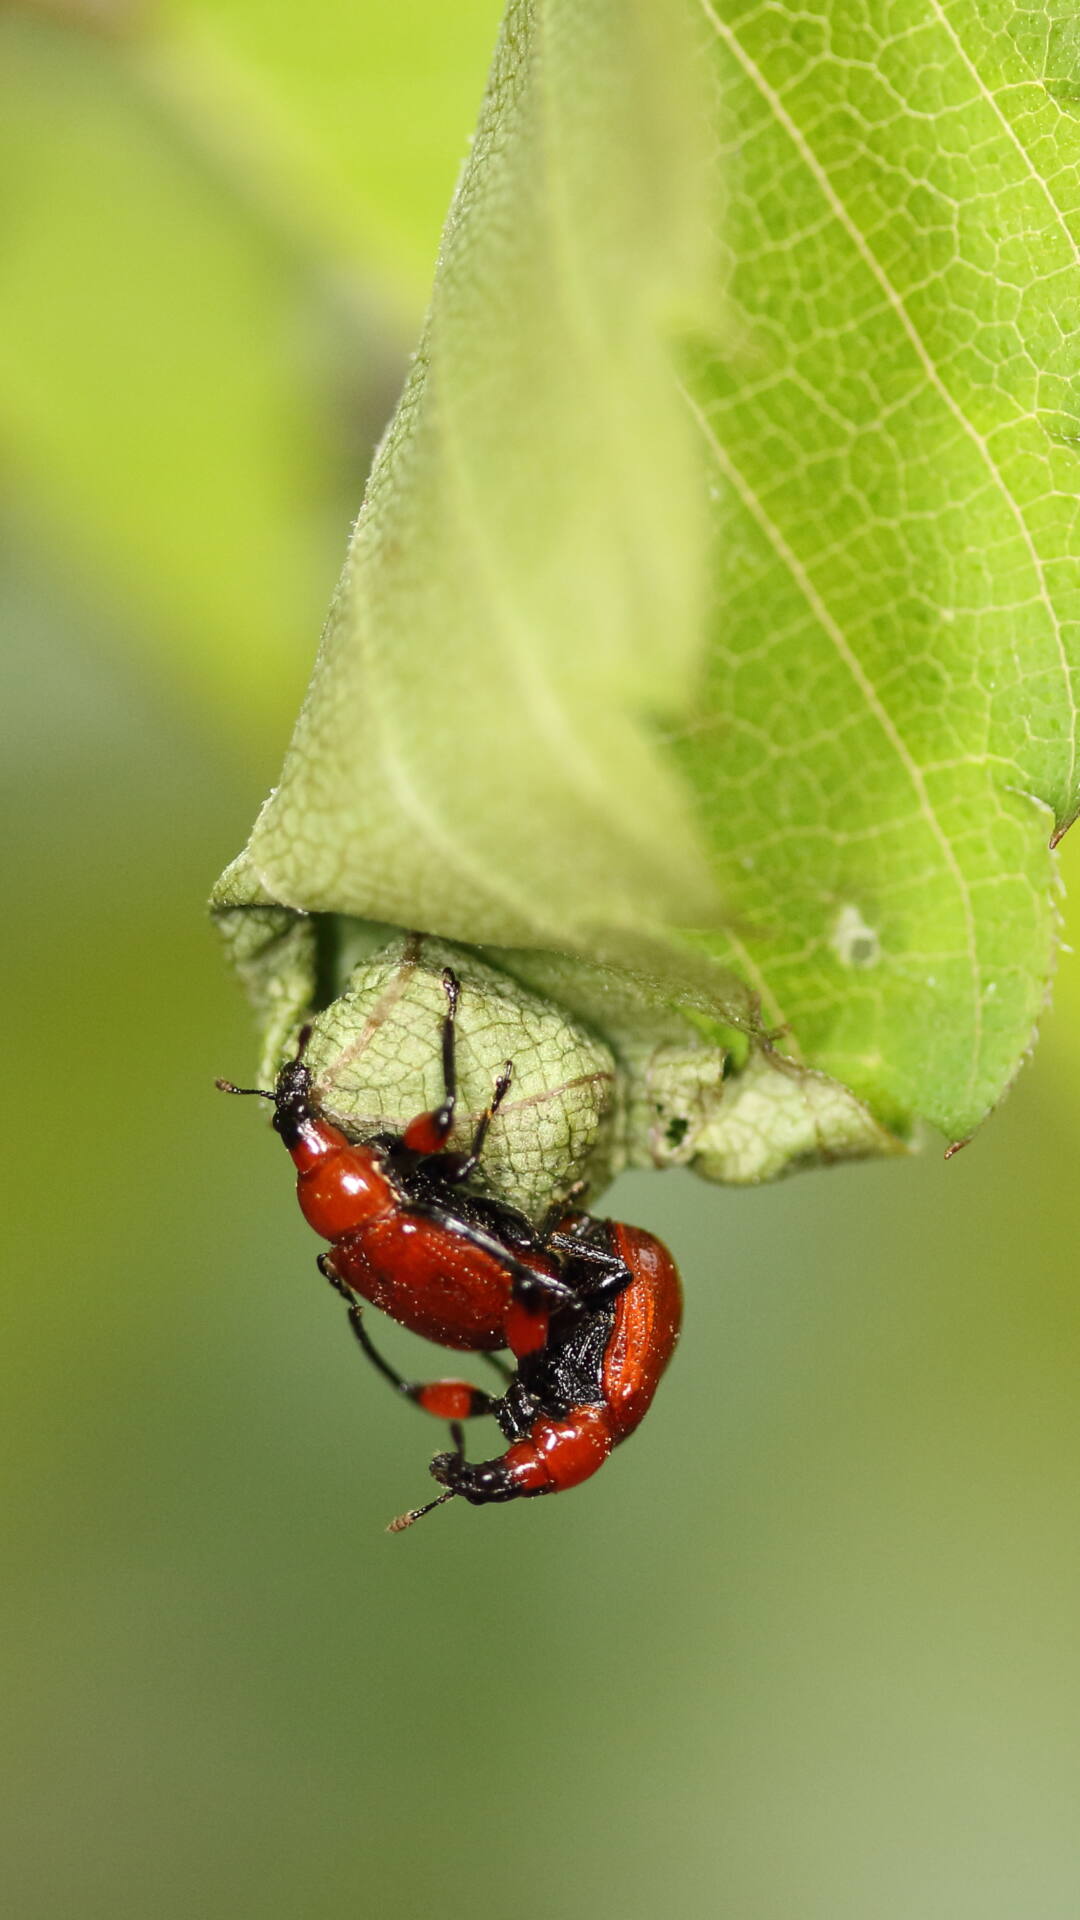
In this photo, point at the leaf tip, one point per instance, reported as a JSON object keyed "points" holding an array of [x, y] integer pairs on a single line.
{"points": [[956, 1146]]}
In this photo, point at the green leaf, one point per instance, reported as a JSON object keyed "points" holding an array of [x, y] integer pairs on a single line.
{"points": [[832, 787], [888, 737], [523, 594]]}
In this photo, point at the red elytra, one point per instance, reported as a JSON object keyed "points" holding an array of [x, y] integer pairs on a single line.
{"points": [[648, 1316]]}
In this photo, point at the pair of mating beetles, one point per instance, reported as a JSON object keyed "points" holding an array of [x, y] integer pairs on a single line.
{"points": [[590, 1309]]}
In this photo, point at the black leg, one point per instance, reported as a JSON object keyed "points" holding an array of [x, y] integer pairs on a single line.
{"points": [[453, 1400], [585, 1251], [611, 1273], [525, 1282], [457, 1457], [417, 1513], [452, 990], [541, 1289], [498, 1094], [566, 1212], [429, 1132]]}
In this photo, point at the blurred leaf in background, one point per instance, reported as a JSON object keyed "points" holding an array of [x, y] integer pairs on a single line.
{"points": [[374, 105], [194, 363]]}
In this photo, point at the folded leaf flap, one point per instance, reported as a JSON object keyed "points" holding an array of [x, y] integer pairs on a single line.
{"points": [[523, 606]]}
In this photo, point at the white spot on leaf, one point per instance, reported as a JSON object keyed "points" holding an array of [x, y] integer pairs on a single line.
{"points": [[854, 943]]}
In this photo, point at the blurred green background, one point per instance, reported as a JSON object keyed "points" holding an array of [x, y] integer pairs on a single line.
{"points": [[807, 1649]]}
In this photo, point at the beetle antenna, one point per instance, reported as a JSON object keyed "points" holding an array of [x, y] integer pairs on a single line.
{"points": [[264, 1093], [417, 1513]]}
